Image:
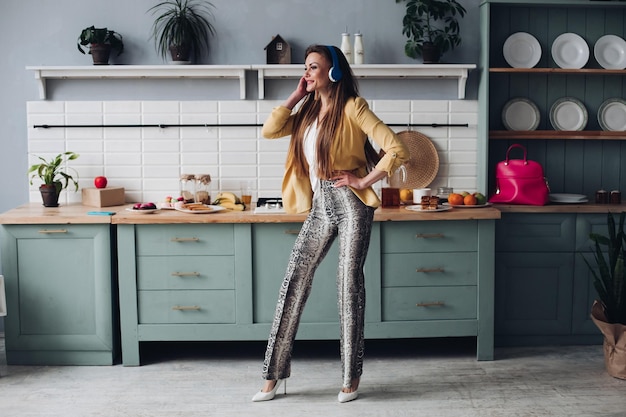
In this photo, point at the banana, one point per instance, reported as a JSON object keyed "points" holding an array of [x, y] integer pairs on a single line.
{"points": [[229, 200]]}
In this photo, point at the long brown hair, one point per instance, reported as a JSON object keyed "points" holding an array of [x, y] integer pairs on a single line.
{"points": [[340, 93]]}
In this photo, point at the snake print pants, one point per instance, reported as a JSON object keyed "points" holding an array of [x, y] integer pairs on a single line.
{"points": [[335, 212]]}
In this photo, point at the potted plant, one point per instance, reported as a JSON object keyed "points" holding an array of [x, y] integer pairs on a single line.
{"points": [[609, 280], [182, 29], [432, 28], [54, 178], [101, 41]]}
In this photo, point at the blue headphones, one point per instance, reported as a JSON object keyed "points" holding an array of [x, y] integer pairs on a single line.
{"points": [[335, 73]]}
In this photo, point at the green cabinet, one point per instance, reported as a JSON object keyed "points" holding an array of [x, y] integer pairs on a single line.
{"points": [[60, 300], [574, 162], [543, 288], [221, 282]]}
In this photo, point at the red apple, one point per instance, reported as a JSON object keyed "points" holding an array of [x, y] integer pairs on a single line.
{"points": [[100, 182]]}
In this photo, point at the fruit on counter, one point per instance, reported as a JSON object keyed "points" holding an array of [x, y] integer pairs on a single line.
{"points": [[229, 200], [455, 199], [144, 206], [100, 182], [466, 199], [469, 200], [406, 195]]}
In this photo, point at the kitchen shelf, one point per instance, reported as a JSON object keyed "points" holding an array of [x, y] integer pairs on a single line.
{"points": [[566, 71], [141, 72], [552, 134], [376, 71]]}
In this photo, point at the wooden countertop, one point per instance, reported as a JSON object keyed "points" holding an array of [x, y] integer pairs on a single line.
{"points": [[35, 213]]}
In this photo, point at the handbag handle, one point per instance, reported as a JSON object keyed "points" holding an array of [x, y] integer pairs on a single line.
{"points": [[515, 145]]}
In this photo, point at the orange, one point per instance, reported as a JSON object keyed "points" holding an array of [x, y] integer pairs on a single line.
{"points": [[469, 200], [406, 195], [455, 199]]}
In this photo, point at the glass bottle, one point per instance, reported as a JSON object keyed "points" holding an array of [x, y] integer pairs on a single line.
{"points": [[345, 47], [188, 187], [359, 51], [203, 189]]}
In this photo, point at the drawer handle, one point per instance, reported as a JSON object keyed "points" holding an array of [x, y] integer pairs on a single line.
{"points": [[291, 232], [53, 231], [185, 239], [185, 274], [431, 304], [427, 270], [428, 235], [186, 308]]}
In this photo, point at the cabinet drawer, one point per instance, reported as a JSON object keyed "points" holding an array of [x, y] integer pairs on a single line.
{"points": [[185, 239], [427, 269], [186, 307], [185, 272], [429, 303], [436, 236]]}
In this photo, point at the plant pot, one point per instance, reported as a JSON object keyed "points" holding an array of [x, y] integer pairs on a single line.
{"points": [[430, 53], [614, 342], [180, 53], [100, 53], [49, 195]]}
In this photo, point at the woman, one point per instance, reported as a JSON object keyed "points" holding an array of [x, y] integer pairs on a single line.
{"points": [[327, 174]]}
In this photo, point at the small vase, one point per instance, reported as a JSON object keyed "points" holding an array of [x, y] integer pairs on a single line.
{"points": [[49, 195], [100, 52], [430, 53]]}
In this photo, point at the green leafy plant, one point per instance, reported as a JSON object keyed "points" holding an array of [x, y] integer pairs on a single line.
{"points": [[100, 36], [609, 278], [51, 172], [433, 22], [184, 25]]}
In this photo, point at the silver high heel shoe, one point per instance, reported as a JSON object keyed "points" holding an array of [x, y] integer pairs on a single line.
{"points": [[266, 396], [344, 397]]}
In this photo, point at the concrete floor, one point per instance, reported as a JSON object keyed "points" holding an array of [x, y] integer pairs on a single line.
{"points": [[401, 378]]}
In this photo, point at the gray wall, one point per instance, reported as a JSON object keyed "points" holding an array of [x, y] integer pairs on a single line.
{"points": [[44, 32]]}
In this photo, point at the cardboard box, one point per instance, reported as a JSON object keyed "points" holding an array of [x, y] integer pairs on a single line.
{"points": [[103, 197]]}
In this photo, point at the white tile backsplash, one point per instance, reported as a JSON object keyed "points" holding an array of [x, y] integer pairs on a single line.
{"points": [[147, 161]]}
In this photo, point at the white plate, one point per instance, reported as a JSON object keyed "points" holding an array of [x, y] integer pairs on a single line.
{"points": [[132, 210], [568, 113], [521, 50], [209, 209], [569, 50], [612, 115], [568, 198], [419, 208], [610, 52], [520, 114], [470, 206]]}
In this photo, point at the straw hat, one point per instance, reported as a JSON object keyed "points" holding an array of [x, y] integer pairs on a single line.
{"points": [[423, 166]]}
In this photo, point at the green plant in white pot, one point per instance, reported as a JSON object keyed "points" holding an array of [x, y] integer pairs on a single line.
{"points": [[609, 279], [54, 177], [432, 28], [182, 29]]}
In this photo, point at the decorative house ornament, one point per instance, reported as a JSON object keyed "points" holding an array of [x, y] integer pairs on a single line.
{"points": [[278, 51]]}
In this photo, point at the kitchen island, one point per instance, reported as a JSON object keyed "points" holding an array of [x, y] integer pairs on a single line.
{"points": [[187, 277]]}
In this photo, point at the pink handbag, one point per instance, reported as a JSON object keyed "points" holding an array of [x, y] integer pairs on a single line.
{"points": [[520, 181]]}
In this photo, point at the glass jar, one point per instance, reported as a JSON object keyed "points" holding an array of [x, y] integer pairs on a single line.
{"points": [[203, 189], [188, 187], [444, 192]]}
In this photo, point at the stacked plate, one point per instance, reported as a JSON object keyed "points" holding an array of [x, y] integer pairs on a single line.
{"points": [[610, 52], [520, 114], [569, 50], [522, 50], [612, 115], [568, 113], [568, 198]]}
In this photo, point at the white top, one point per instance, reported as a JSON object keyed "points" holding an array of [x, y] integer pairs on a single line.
{"points": [[310, 140]]}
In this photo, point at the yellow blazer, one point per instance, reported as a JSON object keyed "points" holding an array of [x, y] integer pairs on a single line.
{"points": [[359, 123]]}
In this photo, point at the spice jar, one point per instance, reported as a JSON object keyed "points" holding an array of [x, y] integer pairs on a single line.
{"points": [[602, 197], [203, 189], [615, 197], [188, 187]]}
